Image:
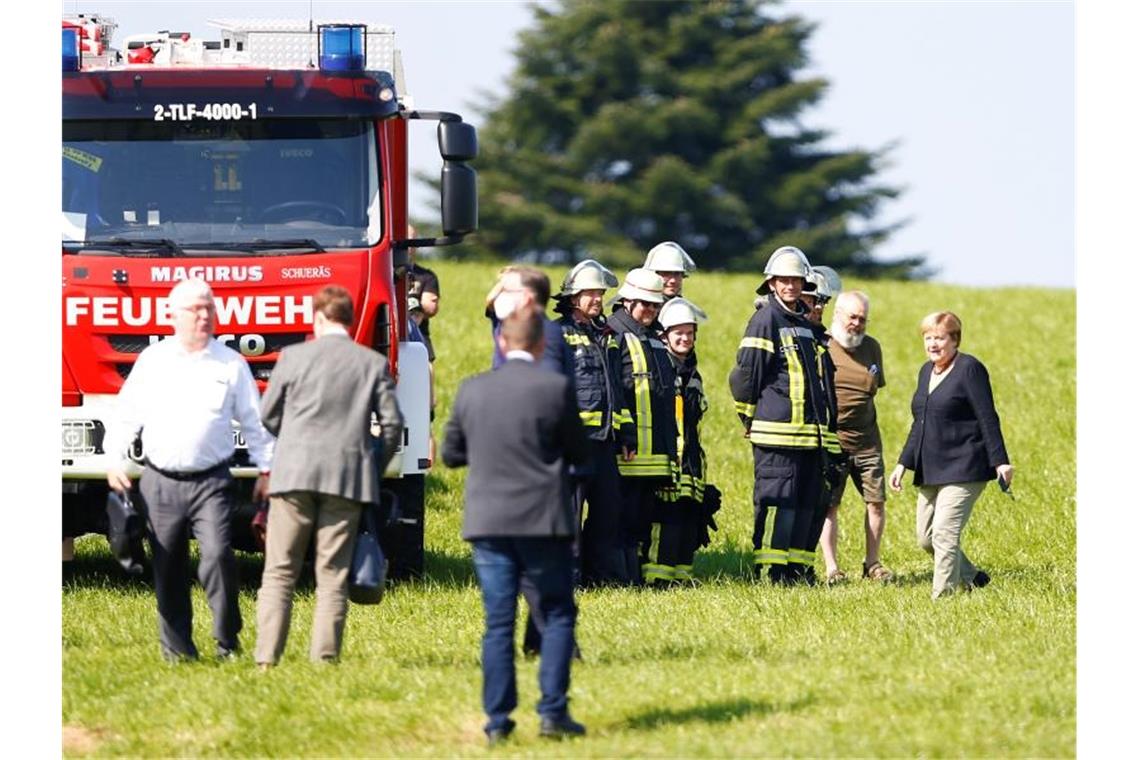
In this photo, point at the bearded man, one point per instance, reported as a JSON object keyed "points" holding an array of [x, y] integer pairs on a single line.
{"points": [[858, 360]]}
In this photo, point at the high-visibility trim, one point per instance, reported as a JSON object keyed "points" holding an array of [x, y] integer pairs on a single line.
{"points": [[801, 557], [683, 572], [652, 572], [795, 374], [679, 415], [645, 463], [591, 419], [831, 441], [577, 339], [783, 441], [770, 556], [622, 417], [651, 465], [743, 407], [786, 428], [761, 343]]}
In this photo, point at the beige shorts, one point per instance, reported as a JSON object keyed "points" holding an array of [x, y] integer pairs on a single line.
{"points": [[868, 474]]}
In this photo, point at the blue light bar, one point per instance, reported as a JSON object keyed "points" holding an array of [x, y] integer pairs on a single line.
{"points": [[341, 47], [71, 49]]}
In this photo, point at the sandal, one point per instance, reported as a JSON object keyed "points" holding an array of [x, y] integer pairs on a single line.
{"points": [[876, 572], [835, 577]]}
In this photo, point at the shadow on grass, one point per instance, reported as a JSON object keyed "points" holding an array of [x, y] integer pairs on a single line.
{"points": [[724, 562], [712, 712], [448, 570], [101, 570]]}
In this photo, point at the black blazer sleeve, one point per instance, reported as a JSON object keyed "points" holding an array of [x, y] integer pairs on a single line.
{"points": [[981, 397]]}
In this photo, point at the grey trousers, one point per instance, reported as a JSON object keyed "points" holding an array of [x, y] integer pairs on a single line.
{"points": [[293, 519], [941, 518], [175, 511]]}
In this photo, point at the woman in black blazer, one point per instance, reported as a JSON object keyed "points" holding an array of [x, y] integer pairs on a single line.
{"points": [[955, 447]]}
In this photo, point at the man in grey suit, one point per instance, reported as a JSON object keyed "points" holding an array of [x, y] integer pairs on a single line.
{"points": [[327, 468], [517, 427]]}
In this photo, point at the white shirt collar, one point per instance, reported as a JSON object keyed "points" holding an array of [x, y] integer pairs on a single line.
{"points": [[518, 353], [332, 328]]}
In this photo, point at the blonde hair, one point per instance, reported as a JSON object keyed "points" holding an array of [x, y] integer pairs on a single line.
{"points": [[944, 320]]}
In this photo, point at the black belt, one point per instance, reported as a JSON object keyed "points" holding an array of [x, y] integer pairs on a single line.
{"points": [[195, 475]]}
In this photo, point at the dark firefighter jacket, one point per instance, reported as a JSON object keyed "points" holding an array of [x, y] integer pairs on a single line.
{"points": [[647, 380], [597, 380], [690, 405], [783, 381]]}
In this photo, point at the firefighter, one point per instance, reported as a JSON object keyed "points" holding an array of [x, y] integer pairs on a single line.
{"points": [[645, 462], [782, 394], [671, 264], [682, 512], [825, 290], [597, 380]]}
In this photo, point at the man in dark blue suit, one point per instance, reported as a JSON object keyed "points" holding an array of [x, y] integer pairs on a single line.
{"points": [[517, 428]]}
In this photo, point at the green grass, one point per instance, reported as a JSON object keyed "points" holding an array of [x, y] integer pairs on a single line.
{"points": [[727, 668]]}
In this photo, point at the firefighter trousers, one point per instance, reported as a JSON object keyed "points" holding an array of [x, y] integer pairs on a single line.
{"points": [[598, 495], [788, 486], [670, 540]]}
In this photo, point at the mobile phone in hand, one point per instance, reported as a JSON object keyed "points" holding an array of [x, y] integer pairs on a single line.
{"points": [[1003, 484]]}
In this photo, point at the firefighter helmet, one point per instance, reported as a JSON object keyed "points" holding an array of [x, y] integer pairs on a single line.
{"points": [[642, 285], [588, 275], [829, 284], [669, 257], [786, 261], [681, 311]]}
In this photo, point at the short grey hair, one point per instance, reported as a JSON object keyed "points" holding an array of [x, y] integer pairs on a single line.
{"points": [[847, 296], [189, 291]]}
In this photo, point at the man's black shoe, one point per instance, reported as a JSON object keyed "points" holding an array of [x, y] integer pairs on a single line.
{"points": [[228, 653], [981, 579], [500, 735], [558, 728]]}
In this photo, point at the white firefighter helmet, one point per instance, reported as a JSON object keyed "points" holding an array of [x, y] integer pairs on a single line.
{"points": [[821, 287], [642, 285], [588, 275], [681, 311], [828, 283], [786, 261], [669, 257]]}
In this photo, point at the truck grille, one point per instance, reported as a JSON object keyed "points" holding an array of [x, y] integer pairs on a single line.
{"points": [[134, 344]]}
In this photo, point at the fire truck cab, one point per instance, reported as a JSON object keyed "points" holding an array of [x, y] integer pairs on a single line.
{"points": [[269, 163]]}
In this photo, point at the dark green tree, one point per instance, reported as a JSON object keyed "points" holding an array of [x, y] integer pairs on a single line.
{"points": [[629, 122]]}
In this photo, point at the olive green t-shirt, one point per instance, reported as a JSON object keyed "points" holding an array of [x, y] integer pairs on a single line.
{"points": [[858, 376]]}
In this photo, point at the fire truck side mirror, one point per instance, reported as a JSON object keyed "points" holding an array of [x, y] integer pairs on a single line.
{"points": [[459, 198], [457, 141]]}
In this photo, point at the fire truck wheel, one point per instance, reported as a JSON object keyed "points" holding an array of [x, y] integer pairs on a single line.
{"points": [[403, 540]]}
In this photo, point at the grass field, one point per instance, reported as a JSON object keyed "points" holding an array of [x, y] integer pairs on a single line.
{"points": [[727, 668]]}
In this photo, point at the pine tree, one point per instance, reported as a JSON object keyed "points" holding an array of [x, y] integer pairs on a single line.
{"points": [[629, 122]]}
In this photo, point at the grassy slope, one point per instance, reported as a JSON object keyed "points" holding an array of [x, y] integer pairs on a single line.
{"points": [[729, 668]]}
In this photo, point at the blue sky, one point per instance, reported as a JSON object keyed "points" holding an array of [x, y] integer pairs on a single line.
{"points": [[979, 98]]}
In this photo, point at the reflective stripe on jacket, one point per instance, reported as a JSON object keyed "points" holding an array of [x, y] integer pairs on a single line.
{"points": [[782, 383], [690, 404], [597, 372], [648, 381]]}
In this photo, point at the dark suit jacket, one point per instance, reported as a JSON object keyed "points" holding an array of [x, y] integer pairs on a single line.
{"points": [[956, 435], [319, 404], [516, 427]]}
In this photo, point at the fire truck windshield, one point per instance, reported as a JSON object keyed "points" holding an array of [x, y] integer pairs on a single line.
{"points": [[201, 182]]}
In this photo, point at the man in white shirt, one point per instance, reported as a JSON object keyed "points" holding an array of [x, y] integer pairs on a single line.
{"points": [[182, 394]]}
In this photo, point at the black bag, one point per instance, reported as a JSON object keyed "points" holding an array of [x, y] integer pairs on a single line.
{"points": [[369, 570], [124, 531], [710, 505]]}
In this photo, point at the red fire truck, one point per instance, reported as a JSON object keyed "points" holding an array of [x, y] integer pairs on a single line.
{"points": [[269, 163]]}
